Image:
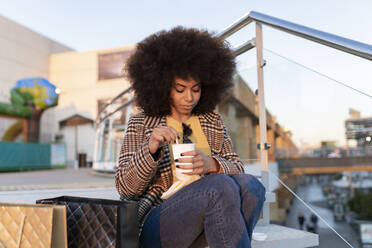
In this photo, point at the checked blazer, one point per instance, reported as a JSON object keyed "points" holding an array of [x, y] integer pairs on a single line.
{"points": [[140, 177]]}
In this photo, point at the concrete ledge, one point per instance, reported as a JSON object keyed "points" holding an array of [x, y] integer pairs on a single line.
{"points": [[57, 186], [278, 236], [270, 197], [284, 237], [30, 196]]}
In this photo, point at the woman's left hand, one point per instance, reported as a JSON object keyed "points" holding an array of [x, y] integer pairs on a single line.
{"points": [[201, 164]]}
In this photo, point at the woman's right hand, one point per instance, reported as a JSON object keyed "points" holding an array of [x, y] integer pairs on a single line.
{"points": [[161, 135]]}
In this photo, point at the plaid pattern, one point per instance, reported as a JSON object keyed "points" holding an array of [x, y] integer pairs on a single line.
{"points": [[140, 177]]}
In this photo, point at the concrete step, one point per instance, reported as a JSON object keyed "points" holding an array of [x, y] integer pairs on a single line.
{"points": [[284, 237]]}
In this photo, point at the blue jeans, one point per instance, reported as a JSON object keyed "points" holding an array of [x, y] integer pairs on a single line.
{"points": [[226, 208]]}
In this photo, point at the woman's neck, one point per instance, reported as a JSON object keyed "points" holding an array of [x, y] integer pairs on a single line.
{"points": [[180, 117]]}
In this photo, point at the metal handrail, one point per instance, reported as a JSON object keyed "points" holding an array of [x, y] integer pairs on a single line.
{"points": [[243, 48], [99, 119], [126, 104], [357, 48], [347, 45]]}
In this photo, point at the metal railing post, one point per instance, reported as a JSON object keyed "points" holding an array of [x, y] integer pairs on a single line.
{"points": [[101, 136], [108, 155], [262, 120]]}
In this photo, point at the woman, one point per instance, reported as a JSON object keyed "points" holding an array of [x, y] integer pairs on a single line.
{"points": [[179, 76]]}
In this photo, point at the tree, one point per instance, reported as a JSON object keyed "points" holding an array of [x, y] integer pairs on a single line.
{"points": [[29, 99], [361, 204]]}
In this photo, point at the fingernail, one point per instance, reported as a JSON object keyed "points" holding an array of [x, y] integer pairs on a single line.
{"points": [[176, 160]]}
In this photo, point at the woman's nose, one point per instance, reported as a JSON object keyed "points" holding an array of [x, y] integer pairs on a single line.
{"points": [[189, 96]]}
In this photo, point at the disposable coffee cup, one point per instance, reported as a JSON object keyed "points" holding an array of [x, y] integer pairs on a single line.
{"points": [[180, 148]]}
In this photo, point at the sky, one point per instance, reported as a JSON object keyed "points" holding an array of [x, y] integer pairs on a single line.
{"points": [[313, 107]]}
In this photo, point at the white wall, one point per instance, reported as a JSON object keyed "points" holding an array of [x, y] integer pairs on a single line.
{"points": [[76, 74], [24, 53], [84, 134]]}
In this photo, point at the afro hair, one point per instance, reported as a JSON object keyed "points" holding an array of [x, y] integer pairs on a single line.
{"points": [[184, 53]]}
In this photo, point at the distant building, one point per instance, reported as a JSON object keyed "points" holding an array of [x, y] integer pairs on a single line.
{"points": [[24, 53], [360, 130], [87, 80]]}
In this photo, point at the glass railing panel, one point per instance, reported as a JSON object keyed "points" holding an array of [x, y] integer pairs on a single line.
{"points": [[320, 128]]}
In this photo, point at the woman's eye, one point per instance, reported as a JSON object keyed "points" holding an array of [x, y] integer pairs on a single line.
{"points": [[183, 90]]}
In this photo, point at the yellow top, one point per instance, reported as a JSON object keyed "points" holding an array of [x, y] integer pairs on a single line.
{"points": [[201, 143]]}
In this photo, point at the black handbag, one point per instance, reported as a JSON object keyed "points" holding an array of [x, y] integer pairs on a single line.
{"points": [[99, 222]]}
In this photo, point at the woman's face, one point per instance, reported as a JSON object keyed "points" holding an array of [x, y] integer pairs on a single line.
{"points": [[185, 94]]}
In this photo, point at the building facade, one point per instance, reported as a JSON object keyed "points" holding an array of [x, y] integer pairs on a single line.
{"points": [[23, 54]]}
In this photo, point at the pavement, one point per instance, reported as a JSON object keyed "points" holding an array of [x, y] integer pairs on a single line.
{"points": [[30, 196], [312, 194], [55, 179], [27, 187]]}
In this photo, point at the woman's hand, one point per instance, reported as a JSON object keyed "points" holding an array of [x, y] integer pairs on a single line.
{"points": [[161, 135], [201, 164]]}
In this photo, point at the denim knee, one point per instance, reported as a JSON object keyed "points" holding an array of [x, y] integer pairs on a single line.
{"points": [[221, 186], [252, 184]]}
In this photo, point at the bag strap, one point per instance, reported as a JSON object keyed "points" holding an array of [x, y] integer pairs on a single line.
{"points": [[63, 199]]}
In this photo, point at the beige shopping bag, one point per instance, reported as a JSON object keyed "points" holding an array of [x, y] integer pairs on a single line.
{"points": [[32, 225]]}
